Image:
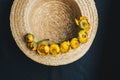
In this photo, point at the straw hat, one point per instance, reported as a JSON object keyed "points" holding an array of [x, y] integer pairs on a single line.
{"points": [[53, 19]]}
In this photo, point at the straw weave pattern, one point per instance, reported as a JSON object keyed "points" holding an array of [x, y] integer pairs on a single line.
{"points": [[54, 20]]}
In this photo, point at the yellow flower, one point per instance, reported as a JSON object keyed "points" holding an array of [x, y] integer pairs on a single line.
{"points": [[83, 36], [32, 46], [54, 49], [65, 46], [29, 38], [43, 49], [75, 43], [83, 23]]}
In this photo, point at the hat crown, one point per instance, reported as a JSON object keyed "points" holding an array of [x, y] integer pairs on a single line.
{"points": [[53, 19]]}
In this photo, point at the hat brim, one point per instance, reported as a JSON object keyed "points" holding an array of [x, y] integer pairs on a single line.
{"points": [[18, 28]]}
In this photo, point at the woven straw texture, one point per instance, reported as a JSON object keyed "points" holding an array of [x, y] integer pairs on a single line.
{"points": [[53, 19]]}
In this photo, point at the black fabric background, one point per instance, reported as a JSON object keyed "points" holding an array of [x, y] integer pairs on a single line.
{"points": [[101, 62]]}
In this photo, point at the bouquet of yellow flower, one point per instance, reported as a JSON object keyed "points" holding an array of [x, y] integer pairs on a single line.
{"points": [[64, 47]]}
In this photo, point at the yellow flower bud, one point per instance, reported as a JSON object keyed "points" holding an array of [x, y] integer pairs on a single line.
{"points": [[32, 46], [29, 38], [65, 46], [83, 36], [43, 49], [54, 49], [75, 43]]}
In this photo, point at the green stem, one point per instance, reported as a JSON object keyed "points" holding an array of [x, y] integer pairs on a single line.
{"points": [[42, 41]]}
